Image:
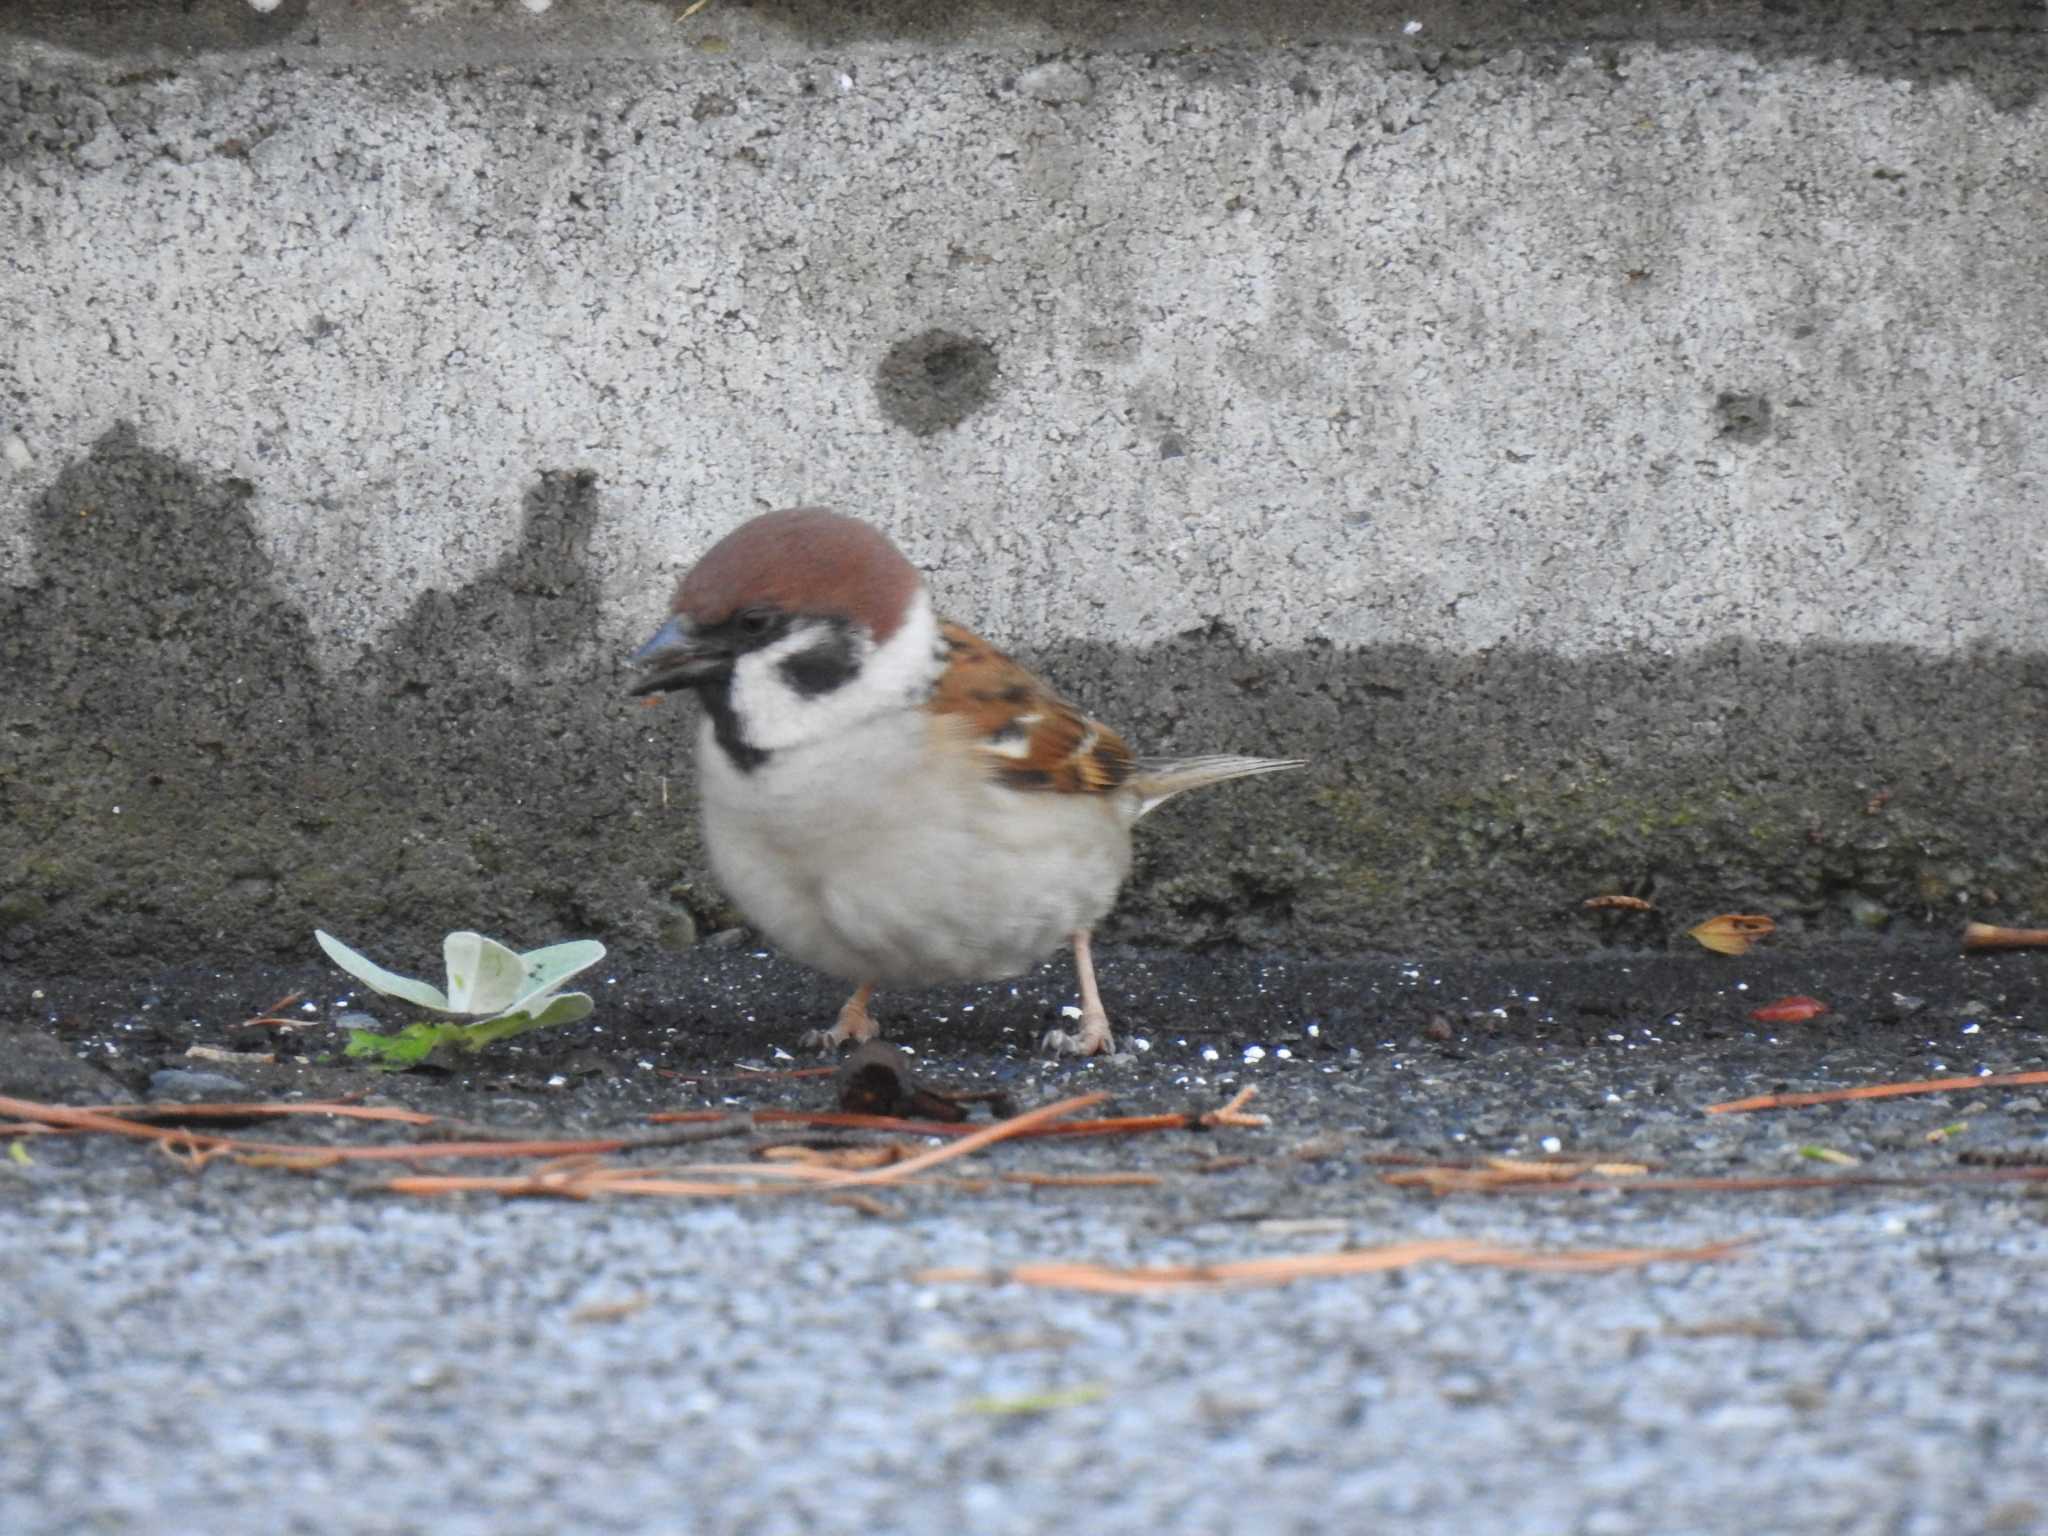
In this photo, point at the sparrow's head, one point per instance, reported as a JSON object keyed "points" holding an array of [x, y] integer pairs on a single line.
{"points": [[795, 624]]}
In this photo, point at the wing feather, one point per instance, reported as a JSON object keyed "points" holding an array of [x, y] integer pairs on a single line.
{"points": [[1031, 738]]}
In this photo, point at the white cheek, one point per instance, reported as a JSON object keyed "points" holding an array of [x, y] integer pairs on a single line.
{"points": [[772, 714], [891, 676]]}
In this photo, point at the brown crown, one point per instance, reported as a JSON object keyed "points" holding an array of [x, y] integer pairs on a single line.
{"points": [[803, 560]]}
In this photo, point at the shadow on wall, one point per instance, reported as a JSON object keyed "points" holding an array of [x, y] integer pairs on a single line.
{"points": [[180, 783], [180, 780]]}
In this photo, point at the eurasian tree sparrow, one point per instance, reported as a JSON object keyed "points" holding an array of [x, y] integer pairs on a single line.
{"points": [[885, 795]]}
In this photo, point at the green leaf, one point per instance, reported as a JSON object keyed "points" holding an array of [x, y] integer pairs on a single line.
{"points": [[416, 1043], [566, 1009], [394, 1053]]}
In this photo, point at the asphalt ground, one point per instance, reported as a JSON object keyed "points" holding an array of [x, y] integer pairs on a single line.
{"points": [[235, 1347]]}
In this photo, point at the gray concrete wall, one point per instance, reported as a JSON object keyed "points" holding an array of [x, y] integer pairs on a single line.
{"points": [[1608, 445]]}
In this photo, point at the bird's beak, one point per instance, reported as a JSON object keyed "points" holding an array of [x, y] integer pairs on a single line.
{"points": [[678, 657]]}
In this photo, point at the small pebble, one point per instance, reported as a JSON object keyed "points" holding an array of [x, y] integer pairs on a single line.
{"points": [[1056, 84], [181, 1083]]}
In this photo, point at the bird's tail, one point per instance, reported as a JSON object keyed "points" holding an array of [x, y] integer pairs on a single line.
{"points": [[1159, 779]]}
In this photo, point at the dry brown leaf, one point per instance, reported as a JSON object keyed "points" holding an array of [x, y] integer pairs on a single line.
{"points": [[1732, 933], [1617, 904]]}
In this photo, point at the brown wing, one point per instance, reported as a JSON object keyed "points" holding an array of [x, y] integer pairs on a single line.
{"points": [[1031, 737]]}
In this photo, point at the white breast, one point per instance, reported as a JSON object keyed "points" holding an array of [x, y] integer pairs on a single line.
{"points": [[881, 856]]}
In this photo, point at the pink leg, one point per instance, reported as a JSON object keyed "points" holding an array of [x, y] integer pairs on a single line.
{"points": [[855, 1023], [1093, 1037]]}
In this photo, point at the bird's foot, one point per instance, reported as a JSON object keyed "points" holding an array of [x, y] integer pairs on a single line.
{"points": [[1091, 1039], [855, 1024]]}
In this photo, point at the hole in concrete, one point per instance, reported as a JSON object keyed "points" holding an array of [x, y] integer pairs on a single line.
{"points": [[1746, 418], [935, 380]]}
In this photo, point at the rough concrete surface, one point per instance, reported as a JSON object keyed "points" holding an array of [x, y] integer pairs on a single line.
{"points": [[251, 1349], [1600, 439]]}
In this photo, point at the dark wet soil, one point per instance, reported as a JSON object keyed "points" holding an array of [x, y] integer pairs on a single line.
{"points": [[1615, 1055]]}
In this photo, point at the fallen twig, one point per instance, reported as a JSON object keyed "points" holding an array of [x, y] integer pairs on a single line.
{"points": [[583, 1179], [1231, 1115], [1002, 1130], [867, 1205], [1877, 1091], [272, 1017], [226, 1057], [340, 1109], [1499, 1172], [300, 1154], [1746, 1185], [1287, 1268], [821, 1120], [1991, 936]]}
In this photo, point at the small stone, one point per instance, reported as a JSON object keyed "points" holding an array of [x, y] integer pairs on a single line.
{"points": [[18, 456], [677, 929], [181, 1083], [1463, 1388], [1056, 84]]}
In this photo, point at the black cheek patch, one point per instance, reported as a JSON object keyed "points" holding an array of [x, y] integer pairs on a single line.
{"points": [[725, 729], [828, 665]]}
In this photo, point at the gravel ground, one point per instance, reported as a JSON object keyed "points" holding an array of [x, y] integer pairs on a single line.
{"points": [[250, 1349]]}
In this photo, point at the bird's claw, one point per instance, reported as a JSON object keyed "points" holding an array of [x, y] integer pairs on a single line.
{"points": [[1091, 1039]]}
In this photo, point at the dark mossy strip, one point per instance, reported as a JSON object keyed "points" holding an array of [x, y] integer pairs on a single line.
{"points": [[1993, 45], [180, 782]]}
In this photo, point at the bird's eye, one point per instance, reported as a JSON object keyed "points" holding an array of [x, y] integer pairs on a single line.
{"points": [[756, 621]]}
